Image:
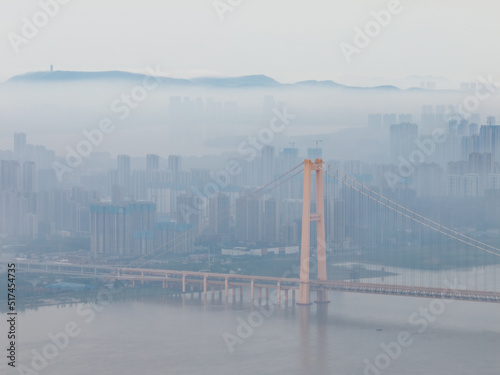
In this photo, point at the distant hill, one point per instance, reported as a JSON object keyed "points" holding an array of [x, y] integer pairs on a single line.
{"points": [[63, 76], [250, 81]]}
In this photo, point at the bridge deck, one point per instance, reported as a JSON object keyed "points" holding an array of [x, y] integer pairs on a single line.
{"points": [[234, 280]]}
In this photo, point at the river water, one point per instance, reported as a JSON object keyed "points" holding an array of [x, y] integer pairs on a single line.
{"points": [[354, 334]]}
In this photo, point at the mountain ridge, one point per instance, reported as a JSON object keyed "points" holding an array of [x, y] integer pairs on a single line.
{"points": [[247, 81]]}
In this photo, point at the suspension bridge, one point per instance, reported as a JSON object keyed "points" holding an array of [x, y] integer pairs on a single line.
{"points": [[429, 259]]}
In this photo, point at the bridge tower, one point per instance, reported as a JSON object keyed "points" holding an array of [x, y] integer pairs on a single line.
{"points": [[319, 217]]}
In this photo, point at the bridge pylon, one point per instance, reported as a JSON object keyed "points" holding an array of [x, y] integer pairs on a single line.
{"points": [[307, 217]]}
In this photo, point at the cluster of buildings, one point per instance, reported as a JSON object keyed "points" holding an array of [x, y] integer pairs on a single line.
{"points": [[131, 206], [459, 159], [31, 203]]}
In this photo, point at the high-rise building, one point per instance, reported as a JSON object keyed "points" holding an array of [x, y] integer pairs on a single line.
{"points": [[267, 164], [248, 220], [428, 119], [10, 175], [18, 217], [200, 177], [482, 165], [241, 220], [174, 163], [188, 222], [462, 186], [152, 162], [139, 184], [124, 230], [160, 196], [403, 138], [470, 144], [123, 174], [165, 237], [20, 145], [219, 214], [29, 177], [489, 140], [494, 181], [188, 212], [389, 119], [291, 211], [335, 222], [271, 224], [289, 158], [44, 157], [492, 207]]}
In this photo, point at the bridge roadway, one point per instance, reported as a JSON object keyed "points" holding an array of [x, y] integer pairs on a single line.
{"points": [[202, 281]]}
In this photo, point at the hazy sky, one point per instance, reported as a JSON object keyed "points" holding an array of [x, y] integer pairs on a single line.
{"points": [[289, 40]]}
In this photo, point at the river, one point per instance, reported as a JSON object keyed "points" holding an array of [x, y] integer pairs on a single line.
{"points": [[354, 334]]}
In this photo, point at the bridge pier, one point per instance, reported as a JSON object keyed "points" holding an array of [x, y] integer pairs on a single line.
{"points": [[205, 285], [286, 296], [304, 294], [226, 287], [322, 296], [183, 283], [251, 289], [241, 293], [279, 292]]}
